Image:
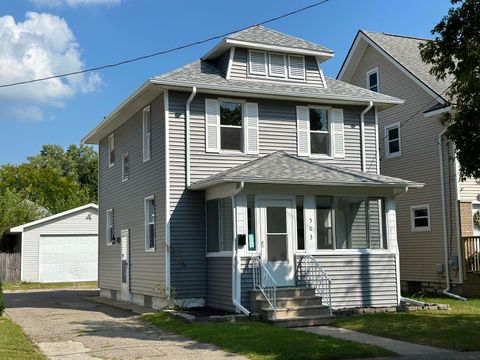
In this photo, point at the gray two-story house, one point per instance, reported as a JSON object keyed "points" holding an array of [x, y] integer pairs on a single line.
{"points": [[248, 169]]}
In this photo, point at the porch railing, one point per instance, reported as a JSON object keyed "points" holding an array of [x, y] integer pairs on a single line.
{"points": [[471, 249], [263, 280], [315, 276]]}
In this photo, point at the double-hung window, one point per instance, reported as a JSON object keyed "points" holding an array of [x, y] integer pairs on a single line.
{"points": [[147, 130], [392, 140], [420, 217], [319, 131], [231, 120], [110, 236], [150, 223], [111, 150], [219, 225], [372, 80]]}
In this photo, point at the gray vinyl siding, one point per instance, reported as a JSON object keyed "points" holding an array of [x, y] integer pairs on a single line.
{"points": [[420, 252], [147, 269], [219, 283], [222, 62], [246, 280], [240, 68]]}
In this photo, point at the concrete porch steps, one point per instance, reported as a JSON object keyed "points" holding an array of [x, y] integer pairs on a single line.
{"points": [[296, 307]]}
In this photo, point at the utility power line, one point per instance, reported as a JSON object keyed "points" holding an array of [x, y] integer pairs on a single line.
{"points": [[181, 47]]}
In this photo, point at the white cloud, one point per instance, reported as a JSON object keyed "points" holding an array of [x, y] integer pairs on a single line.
{"points": [[41, 46], [74, 3]]}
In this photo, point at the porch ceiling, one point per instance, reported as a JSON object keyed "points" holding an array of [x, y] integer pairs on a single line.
{"points": [[283, 168]]}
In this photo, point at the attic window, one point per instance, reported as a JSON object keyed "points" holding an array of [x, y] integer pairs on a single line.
{"points": [[296, 67], [372, 80], [277, 65], [257, 63]]}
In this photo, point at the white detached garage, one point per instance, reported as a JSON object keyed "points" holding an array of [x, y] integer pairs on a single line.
{"points": [[62, 247]]}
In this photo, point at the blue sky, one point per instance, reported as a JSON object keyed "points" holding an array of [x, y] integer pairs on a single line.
{"points": [[65, 35]]}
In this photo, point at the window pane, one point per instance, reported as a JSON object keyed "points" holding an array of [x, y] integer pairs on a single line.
{"points": [[393, 146], [324, 222], [150, 211], [375, 224], [276, 220], [251, 222], [420, 212], [319, 119], [373, 81], [300, 224], [319, 143], [230, 113], [227, 224], [393, 134], [357, 225], [374, 88], [124, 271], [231, 138], [151, 231], [212, 226], [277, 247], [421, 222]]}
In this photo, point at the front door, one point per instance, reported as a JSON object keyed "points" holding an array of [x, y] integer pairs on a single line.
{"points": [[276, 234], [125, 259]]}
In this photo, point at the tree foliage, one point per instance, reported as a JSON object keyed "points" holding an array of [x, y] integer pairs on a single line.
{"points": [[455, 51], [52, 181]]}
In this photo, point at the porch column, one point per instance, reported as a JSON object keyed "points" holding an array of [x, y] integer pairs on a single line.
{"points": [[392, 243]]}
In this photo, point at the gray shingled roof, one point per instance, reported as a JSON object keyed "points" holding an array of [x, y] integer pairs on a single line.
{"points": [[282, 168], [262, 35], [405, 51], [206, 74]]}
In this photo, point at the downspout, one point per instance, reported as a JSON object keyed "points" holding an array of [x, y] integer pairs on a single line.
{"points": [[362, 134], [446, 291], [187, 136], [235, 257]]}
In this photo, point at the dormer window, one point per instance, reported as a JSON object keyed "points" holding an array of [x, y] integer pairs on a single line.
{"points": [[263, 64]]}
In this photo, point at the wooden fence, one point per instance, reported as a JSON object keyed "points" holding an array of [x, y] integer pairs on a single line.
{"points": [[471, 246], [10, 267]]}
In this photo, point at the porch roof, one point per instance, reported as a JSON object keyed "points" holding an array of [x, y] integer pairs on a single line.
{"points": [[283, 168]]}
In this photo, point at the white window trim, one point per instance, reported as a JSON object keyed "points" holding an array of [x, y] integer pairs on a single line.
{"points": [[242, 140], [412, 218], [285, 65], [145, 109], [330, 133], [372, 71], [304, 69], [250, 72], [111, 136], [145, 204], [108, 237], [386, 142], [123, 168]]}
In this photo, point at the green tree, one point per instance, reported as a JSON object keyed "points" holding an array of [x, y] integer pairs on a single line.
{"points": [[455, 51]]}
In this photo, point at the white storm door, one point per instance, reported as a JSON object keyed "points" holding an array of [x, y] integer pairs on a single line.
{"points": [[125, 265], [276, 234]]}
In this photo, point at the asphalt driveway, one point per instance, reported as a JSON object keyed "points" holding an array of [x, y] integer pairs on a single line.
{"points": [[64, 325]]}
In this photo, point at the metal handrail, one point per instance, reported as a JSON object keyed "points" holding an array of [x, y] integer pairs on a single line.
{"points": [[263, 280], [317, 278]]}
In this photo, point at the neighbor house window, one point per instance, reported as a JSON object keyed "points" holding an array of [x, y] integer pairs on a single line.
{"points": [[219, 225], [277, 65], [110, 236], [150, 223], [300, 224], [251, 222], [392, 140], [125, 167], [420, 217], [372, 80], [319, 131], [111, 150], [231, 125], [324, 222], [147, 128]]}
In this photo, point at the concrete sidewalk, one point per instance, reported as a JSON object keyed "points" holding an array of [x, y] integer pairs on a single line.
{"points": [[402, 348]]}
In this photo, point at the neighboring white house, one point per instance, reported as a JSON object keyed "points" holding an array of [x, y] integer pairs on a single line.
{"points": [[62, 247]]}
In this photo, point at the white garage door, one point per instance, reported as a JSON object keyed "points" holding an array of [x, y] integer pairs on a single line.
{"points": [[65, 258]]}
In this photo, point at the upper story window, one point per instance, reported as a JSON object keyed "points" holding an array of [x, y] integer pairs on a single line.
{"points": [[420, 217], [372, 80], [150, 223], [147, 130], [276, 65], [392, 140], [125, 167], [231, 120], [110, 236], [319, 131], [111, 150]]}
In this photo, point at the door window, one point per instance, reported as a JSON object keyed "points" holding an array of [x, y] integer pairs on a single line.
{"points": [[277, 234]]}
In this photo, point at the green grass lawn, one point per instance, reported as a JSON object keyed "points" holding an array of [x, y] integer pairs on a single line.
{"points": [[14, 344], [457, 329], [32, 285], [262, 341]]}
